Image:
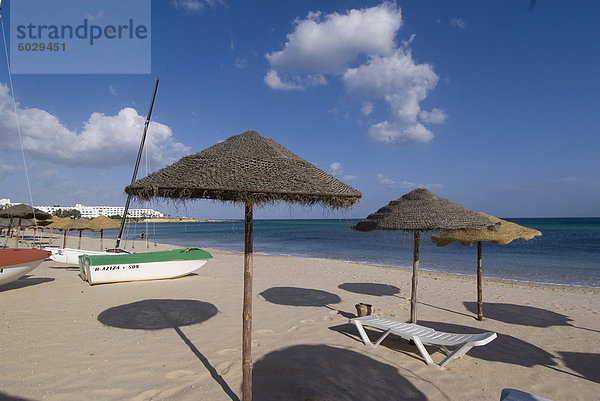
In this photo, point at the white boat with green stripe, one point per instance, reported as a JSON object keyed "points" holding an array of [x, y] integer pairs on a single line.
{"points": [[114, 268]]}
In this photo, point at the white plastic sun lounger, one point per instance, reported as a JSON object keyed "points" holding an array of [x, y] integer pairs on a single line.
{"points": [[420, 334]]}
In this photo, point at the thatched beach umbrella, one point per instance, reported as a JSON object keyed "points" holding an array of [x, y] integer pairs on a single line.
{"points": [[57, 223], [101, 223], [252, 170], [502, 233], [23, 211], [417, 211], [79, 225]]}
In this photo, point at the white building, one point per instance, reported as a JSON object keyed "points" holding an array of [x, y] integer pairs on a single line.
{"points": [[95, 211]]}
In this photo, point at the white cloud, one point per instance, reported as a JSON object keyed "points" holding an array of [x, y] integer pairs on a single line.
{"points": [[458, 22], [189, 6], [336, 170], [112, 90], [403, 84], [104, 141], [326, 45], [196, 6], [366, 108], [435, 116], [392, 184], [273, 80]]}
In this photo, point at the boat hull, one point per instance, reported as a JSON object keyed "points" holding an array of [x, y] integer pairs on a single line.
{"points": [[70, 256], [15, 263], [101, 269]]}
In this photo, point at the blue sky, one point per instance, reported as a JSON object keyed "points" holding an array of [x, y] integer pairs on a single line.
{"points": [[488, 104]]}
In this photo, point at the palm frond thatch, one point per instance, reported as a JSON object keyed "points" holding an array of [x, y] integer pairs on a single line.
{"points": [[421, 210], [248, 169]]}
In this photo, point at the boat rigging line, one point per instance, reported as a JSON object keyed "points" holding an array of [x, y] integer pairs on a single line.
{"points": [[137, 165]]}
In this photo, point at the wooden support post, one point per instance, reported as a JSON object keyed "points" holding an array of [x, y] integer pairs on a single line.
{"points": [[415, 278], [101, 239], [247, 309], [479, 284]]}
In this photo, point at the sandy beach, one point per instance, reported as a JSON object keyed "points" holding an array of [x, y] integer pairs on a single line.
{"points": [[180, 339]]}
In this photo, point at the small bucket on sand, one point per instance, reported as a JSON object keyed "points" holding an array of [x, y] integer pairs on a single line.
{"points": [[363, 309]]}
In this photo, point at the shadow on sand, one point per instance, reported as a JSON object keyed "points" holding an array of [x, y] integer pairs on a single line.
{"points": [[157, 314], [6, 397], [520, 314], [587, 365], [294, 296], [25, 281], [375, 289], [321, 372], [504, 348]]}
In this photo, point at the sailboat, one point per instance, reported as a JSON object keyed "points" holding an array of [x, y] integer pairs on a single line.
{"points": [[14, 262], [115, 265]]}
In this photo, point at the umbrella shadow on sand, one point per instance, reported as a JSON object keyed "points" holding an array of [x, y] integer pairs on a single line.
{"points": [[23, 282], [586, 364], [6, 397], [295, 296], [504, 348], [524, 315], [520, 314], [375, 289], [157, 314], [311, 372]]}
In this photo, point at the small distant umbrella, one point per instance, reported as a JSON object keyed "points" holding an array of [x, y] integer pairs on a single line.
{"points": [[23, 211], [57, 223], [246, 169], [503, 232], [79, 225], [101, 223], [417, 211]]}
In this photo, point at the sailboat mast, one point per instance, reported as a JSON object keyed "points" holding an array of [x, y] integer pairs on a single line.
{"points": [[137, 165]]}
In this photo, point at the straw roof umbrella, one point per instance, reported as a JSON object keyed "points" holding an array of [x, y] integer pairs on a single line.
{"points": [[23, 211], [58, 223], [502, 233], [101, 223], [79, 225], [252, 170], [417, 211]]}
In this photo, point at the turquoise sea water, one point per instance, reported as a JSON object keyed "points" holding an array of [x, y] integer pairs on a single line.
{"points": [[568, 252]]}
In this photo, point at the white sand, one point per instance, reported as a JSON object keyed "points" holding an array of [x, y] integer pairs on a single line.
{"points": [[181, 339]]}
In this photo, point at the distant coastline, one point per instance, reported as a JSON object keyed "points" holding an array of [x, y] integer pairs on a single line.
{"points": [[184, 220]]}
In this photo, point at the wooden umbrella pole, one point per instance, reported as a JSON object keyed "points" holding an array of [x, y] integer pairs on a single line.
{"points": [[415, 278], [79, 243], [65, 239], [101, 239], [247, 309], [479, 284]]}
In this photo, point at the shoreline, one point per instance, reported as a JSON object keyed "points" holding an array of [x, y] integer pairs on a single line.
{"points": [[140, 243]]}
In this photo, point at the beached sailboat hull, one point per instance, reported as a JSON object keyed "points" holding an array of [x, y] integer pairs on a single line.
{"points": [[71, 255], [15, 263], [100, 269]]}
